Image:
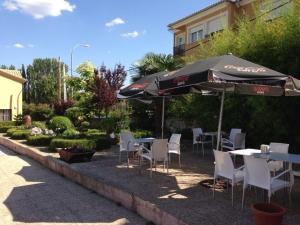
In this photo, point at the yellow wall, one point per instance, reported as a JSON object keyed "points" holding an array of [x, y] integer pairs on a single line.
{"points": [[10, 92]]}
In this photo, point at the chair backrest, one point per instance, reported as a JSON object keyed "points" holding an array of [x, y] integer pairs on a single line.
{"points": [[233, 132], [174, 142], [239, 140], [279, 147], [159, 149], [127, 141], [224, 166], [196, 133], [257, 172]]}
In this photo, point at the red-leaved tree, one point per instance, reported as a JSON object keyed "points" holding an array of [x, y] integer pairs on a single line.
{"points": [[105, 86]]}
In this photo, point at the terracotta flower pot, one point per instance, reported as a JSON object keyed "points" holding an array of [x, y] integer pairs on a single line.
{"points": [[268, 214]]}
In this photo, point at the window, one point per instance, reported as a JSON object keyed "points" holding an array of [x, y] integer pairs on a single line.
{"points": [[5, 114], [274, 8], [179, 40], [216, 24], [196, 35]]}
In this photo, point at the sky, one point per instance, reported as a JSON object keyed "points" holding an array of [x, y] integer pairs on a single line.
{"points": [[118, 31]]}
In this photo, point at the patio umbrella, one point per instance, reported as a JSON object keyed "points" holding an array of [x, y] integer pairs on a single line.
{"points": [[228, 73], [144, 90]]}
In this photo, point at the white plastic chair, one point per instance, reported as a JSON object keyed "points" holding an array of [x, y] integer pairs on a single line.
{"points": [[174, 147], [128, 144], [224, 168], [279, 148], [236, 140], [199, 138], [257, 173], [158, 153]]}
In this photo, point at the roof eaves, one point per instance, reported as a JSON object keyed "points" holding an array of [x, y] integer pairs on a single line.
{"points": [[13, 74], [195, 13]]}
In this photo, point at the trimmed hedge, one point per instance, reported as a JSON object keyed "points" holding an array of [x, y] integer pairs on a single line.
{"points": [[71, 134], [60, 123], [39, 124], [39, 140], [4, 129], [142, 133], [102, 143], [20, 134], [7, 123], [65, 143], [12, 130]]}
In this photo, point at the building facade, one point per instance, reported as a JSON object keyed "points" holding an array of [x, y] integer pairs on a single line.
{"points": [[201, 25], [11, 85]]}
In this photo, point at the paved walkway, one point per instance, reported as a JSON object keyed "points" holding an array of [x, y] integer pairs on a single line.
{"points": [[29, 193]]}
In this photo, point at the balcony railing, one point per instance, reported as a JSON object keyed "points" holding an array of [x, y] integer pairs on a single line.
{"points": [[179, 50]]}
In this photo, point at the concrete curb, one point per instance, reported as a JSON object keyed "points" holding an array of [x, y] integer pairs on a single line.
{"points": [[146, 209]]}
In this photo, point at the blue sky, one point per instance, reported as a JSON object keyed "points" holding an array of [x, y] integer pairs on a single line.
{"points": [[119, 31]]}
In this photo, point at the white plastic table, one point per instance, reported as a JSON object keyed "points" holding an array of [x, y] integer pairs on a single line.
{"points": [[148, 140], [247, 151]]}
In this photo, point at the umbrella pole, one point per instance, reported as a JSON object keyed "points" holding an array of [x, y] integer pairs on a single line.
{"points": [[220, 119], [163, 118]]}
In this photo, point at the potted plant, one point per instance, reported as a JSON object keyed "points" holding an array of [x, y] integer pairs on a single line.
{"points": [[75, 154], [268, 213]]}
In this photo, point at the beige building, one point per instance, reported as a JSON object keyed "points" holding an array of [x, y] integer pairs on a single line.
{"points": [[204, 23], [11, 84]]}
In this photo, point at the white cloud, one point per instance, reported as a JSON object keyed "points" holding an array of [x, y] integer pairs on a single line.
{"points": [[114, 22], [18, 45], [39, 8], [133, 34]]}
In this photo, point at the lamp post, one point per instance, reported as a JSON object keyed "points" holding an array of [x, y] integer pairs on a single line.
{"points": [[73, 49]]}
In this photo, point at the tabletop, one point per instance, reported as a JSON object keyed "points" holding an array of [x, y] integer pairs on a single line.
{"points": [[291, 158], [247, 151], [145, 140]]}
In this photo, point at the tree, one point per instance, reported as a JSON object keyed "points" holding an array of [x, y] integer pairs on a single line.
{"points": [[42, 78], [152, 63], [105, 86], [25, 85], [274, 44]]}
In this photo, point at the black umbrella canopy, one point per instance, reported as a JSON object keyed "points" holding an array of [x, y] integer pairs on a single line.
{"points": [[146, 86], [227, 71]]}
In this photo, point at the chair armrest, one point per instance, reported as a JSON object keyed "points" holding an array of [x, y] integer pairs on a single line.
{"points": [[224, 140], [144, 149], [173, 143], [240, 168], [282, 173]]}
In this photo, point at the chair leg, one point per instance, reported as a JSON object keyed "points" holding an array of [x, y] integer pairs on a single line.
{"points": [[164, 165], [243, 197], [232, 193], [170, 158], [179, 160], [202, 149], [167, 167], [120, 156], [151, 168], [127, 159], [214, 187], [269, 196]]}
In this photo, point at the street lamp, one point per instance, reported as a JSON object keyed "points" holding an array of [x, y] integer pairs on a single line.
{"points": [[73, 49]]}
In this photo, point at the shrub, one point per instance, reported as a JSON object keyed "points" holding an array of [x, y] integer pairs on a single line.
{"points": [[39, 124], [142, 133], [71, 133], [61, 107], [7, 123], [102, 143], [40, 112], [10, 131], [39, 140], [20, 134], [94, 133], [85, 125], [66, 143], [60, 123], [4, 129], [18, 119], [75, 114]]}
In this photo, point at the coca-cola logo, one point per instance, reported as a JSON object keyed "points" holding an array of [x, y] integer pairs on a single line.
{"points": [[261, 89], [246, 69], [180, 80]]}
